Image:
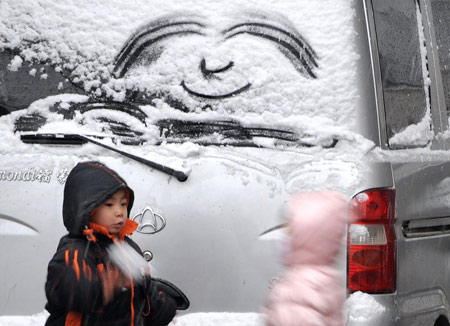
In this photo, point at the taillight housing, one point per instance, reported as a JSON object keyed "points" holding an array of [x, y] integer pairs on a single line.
{"points": [[371, 260]]}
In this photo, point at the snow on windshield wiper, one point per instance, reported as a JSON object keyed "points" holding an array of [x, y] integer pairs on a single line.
{"points": [[233, 133], [79, 139]]}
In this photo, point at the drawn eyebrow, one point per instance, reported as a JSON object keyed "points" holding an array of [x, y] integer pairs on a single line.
{"points": [[150, 34], [290, 43]]}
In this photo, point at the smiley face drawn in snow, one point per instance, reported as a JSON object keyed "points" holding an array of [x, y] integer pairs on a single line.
{"points": [[191, 62]]}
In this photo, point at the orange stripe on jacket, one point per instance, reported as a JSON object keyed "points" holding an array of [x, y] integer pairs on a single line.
{"points": [[148, 307], [132, 303], [73, 319], [76, 267], [116, 274], [87, 271], [101, 270]]}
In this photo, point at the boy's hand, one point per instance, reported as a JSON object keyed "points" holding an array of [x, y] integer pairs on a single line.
{"points": [[113, 281]]}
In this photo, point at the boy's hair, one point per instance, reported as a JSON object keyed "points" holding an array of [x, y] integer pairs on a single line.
{"points": [[127, 197], [89, 185]]}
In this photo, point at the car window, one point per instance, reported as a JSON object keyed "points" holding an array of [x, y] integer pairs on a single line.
{"points": [[397, 32], [22, 83], [441, 12]]}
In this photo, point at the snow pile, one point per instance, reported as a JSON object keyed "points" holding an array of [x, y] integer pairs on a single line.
{"points": [[34, 320], [15, 64], [219, 319], [194, 319], [362, 306], [359, 307], [409, 155]]}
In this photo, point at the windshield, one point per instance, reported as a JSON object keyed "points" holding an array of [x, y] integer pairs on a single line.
{"points": [[260, 76]]}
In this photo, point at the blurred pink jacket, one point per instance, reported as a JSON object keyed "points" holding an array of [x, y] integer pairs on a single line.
{"points": [[309, 294]]}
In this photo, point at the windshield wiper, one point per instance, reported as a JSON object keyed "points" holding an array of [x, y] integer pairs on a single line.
{"points": [[79, 139]]}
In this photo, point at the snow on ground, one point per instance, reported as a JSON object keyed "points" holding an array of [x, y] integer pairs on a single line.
{"points": [[34, 320], [194, 319], [359, 307], [362, 307], [228, 319]]}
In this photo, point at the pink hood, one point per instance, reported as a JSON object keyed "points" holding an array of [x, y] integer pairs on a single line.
{"points": [[317, 224]]}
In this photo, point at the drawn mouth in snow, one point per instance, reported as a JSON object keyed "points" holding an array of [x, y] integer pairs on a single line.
{"points": [[215, 96], [210, 74]]}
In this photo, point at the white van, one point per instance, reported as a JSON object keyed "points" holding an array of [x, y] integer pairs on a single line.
{"points": [[216, 114]]}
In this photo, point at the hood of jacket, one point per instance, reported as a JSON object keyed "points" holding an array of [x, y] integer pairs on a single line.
{"points": [[317, 224], [88, 185]]}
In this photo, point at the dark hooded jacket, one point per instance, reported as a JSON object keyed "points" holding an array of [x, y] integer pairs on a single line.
{"points": [[74, 285]]}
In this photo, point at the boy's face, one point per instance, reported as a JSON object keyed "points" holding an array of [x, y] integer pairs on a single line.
{"points": [[113, 213]]}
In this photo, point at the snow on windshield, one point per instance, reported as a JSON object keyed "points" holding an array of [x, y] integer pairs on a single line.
{"points": [[268, 62], [268, 71]]}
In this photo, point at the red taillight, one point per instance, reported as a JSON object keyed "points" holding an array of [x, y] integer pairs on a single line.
{"points": [[371, 263]]}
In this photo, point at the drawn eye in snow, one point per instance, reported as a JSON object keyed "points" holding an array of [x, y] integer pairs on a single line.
{"points": [[287, 39], [148, 38]]}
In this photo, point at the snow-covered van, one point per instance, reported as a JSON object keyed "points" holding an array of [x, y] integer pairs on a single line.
{"points": [[216, 113]]}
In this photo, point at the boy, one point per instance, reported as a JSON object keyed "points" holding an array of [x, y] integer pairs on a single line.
{"points": [[84, 287]]}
